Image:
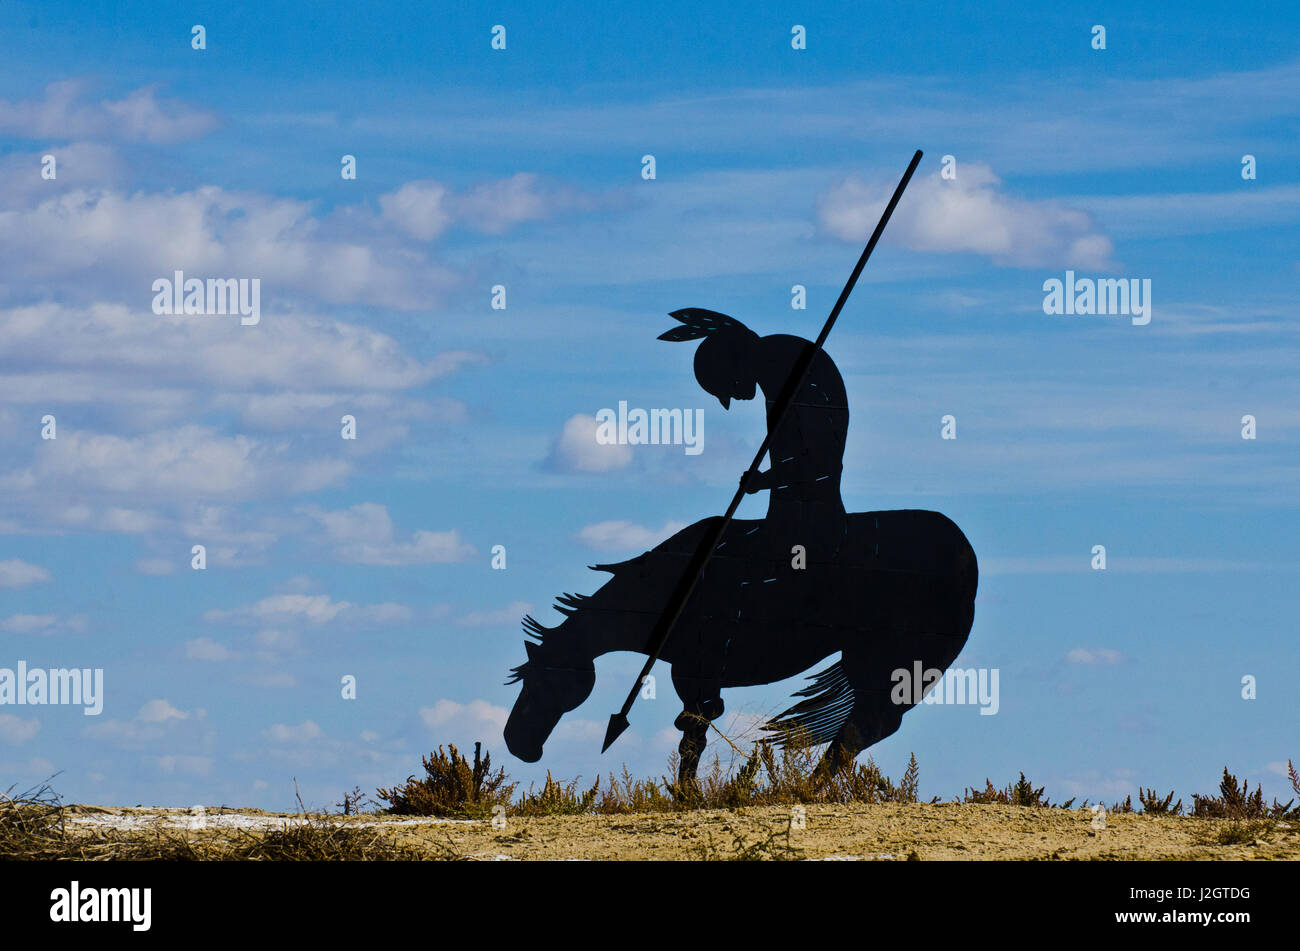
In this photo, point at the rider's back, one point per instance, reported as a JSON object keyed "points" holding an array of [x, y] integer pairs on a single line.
{"points": [[807, 450]]}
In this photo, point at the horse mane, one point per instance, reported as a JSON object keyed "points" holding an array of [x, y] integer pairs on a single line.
{"points": [[568, 605], [817, 719]]}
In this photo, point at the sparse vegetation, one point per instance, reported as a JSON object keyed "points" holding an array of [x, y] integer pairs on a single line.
{"points": [[35, 824], [451, 786], [775, 847], [558, 799], [1236, 801], [1153, 805], [354, 803], [1241, 832], [1019, 793]]}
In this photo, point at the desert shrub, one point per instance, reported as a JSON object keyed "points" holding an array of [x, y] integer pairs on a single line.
{"points": [[864, 782], [1236, 801], [909, 785], [1020, 793], [557, 799], [791, 773], [451, 787], [354, 802], [742, 789], [628, 795], [1153, 805], [1241, 832]]}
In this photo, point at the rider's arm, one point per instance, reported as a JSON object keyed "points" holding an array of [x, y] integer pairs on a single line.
{"points": [[757, 481]]}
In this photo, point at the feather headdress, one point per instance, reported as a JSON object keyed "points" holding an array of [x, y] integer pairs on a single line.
{"points": [[698, 322]]}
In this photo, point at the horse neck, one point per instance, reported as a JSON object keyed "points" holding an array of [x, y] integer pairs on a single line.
{"points": [[582, 638]]}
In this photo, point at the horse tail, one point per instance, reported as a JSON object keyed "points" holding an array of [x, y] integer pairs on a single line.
{"points": [[817, 719]]}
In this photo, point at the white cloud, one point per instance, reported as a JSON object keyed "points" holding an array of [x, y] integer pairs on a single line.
{"points": [[970, 214], [311, 608], [364, 534], [576, 449], [387, 613], [16, 730], [16, 573], [151, 723], [205, 649], [140, 116], [511, 614], [273, 639], [29, 623], [1104, 656], [79, 165], [96, 242], [316, 608], [89, 349], [473, 718], [497, 206], [160, 711], [272, 679], [128, 521], [176, 463], [191, 765], [304, 732], [418, 209], [104, 243], [621, 536], [425, 209], [154, 566]]}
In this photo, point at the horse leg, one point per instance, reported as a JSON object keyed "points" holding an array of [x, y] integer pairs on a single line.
{"points": [[866, 725], [840, 752], [701, 704]]}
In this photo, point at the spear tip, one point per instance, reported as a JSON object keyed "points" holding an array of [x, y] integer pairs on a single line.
{"points": [[617, 724]]}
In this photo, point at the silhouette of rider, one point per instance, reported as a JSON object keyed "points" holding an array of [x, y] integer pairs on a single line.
{"points": [[806, 452]]}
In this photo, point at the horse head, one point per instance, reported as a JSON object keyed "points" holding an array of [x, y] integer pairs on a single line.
{"points": [[553, 684]]}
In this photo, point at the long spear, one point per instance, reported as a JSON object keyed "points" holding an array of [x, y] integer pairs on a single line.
{"points": [[691, 577]]}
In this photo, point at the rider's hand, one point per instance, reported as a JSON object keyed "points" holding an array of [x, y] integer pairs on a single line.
{"points": [[753, 481]]}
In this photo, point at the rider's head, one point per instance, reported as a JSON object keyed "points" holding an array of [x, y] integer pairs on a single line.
{"points": [[724, 365], [724, 362]]}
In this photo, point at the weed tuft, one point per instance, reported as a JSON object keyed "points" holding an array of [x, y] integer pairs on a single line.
{"points": [[451, 787]]}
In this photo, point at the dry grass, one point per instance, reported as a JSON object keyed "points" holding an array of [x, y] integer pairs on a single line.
{"points": [[1236, 801], [451, 786], [35, 826], [764, 782]]}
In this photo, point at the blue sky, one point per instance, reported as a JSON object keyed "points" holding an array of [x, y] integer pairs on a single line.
{"points": [[522, 167]]}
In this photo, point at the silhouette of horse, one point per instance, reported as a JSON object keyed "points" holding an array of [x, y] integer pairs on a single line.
{"points": [[898, 588]]}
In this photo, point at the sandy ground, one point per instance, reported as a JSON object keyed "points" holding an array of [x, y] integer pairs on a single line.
{"points": [[887, 832]]}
